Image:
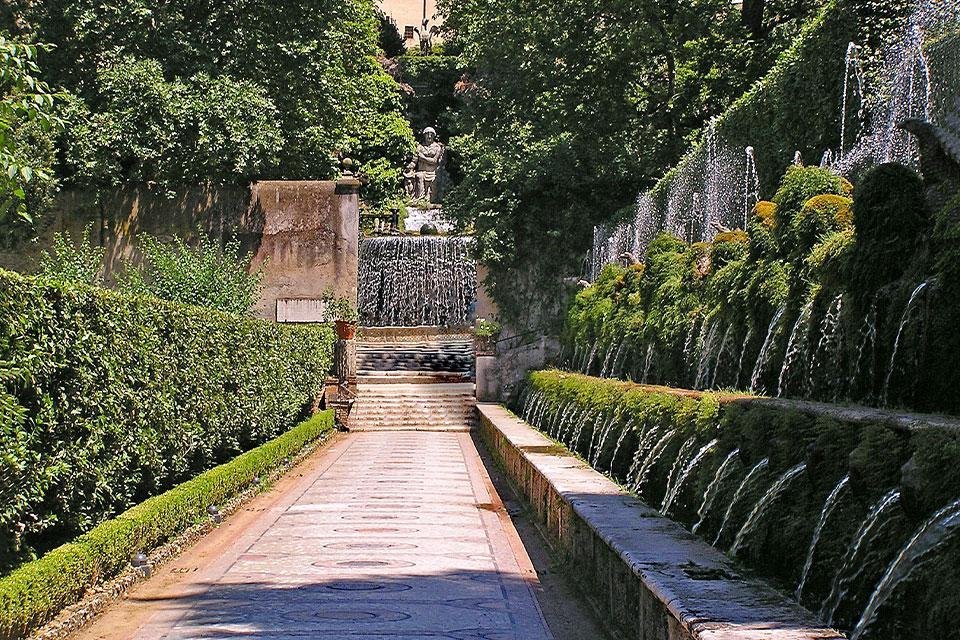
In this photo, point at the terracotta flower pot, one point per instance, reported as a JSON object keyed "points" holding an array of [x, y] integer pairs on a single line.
{"points": [[345, 330]]}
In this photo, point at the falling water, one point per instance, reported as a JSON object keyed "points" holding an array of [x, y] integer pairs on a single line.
{"points": [[678, 464], [743, 351], [640, 454], [869, 333], [687, 470], [828, 508], [751, 185], [655, 454], [774, 492], [765, 349], [741, 490], [713, 489], [838, 587], [928, 537], [724, 344], [647, 362], [797, 341], [853, 70], [426, 281], [830, 338], [706, 356], [904, 320]]}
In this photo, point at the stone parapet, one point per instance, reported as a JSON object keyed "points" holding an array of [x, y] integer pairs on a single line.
{"points": [[646, 576]]}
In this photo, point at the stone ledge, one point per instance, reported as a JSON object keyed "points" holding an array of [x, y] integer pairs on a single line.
{"points": [[647, 576]]}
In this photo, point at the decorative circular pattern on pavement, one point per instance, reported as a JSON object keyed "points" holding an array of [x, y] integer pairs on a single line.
{"points": [[363, 564], [371, 546]]}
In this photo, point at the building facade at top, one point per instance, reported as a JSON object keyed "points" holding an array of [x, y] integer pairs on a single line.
{"points": [[409, 15]]}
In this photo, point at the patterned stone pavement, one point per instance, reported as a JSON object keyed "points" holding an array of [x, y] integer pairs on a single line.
{"points": [[391, 535]]}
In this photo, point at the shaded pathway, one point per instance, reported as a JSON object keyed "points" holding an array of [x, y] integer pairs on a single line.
{"points": [[391, 534]]}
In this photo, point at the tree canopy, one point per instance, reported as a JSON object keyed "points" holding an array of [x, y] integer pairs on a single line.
{"points": [[575, 106], [196, 91]]}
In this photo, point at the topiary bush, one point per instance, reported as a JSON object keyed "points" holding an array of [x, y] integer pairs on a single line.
{"points": [[107, 399], [891, 218]]}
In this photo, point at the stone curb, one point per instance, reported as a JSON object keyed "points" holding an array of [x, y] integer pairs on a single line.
{"points": [[646, 575]]}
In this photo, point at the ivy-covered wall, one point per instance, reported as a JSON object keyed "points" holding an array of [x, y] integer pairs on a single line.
{"points": [[835, 292], [106, 400], [819, 501]]}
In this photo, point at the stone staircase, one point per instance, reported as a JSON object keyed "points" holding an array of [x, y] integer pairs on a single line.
{"points": [[415, 382], [414, 407], [450, 357]]}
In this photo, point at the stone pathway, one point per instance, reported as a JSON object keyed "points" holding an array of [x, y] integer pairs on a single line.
{"points": [[392, 535]]}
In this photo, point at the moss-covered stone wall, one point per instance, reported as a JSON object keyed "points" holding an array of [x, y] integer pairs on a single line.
{"points": [[713, 461]]}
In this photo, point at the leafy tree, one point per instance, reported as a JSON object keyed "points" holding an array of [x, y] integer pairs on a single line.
{"points": [[391, 41], [573, 108], [26, 119], [267, 92], [205, 275]]}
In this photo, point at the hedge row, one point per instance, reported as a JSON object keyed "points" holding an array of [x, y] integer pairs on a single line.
{"points": [[37, 591], [692, 445], [106, 400]]}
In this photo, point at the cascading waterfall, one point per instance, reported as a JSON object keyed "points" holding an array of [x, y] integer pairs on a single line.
{"points": [[828, 507], [830, 338], [416, 281], [838, 588], [741, 490], [756, 516], [869, 336], [678, 464], [751, 185], [932, 534], [766, 349], [724, 471], [692, 464], [743, 353], [795, 345], [853, 70], [655, 454], [904, 321]]}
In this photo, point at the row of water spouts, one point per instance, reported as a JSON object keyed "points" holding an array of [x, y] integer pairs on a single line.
{"points": [[812, 347], [703, 193], [600, 435]]}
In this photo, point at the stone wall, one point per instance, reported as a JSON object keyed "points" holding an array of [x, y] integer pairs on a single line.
{"points": [[303, 234], [645, 576]]}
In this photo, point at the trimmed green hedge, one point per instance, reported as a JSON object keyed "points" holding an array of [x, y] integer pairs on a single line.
{"points": [[621, 428], [106, 400], [37, 591]]}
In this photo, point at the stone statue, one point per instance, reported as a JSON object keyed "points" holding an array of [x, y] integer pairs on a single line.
{"points": [[420, 177]]}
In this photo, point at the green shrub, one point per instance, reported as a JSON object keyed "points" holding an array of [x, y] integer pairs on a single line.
{"points": [[107, 399], [205, 275], [37, 591], [795, 226], [73, 262]]}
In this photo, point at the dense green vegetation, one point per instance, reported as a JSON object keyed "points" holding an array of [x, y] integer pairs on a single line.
{"points": [[34, 593], [198, 92], [878, 456], [820, 283], [108, 399], [576, 106], [27, 121]]}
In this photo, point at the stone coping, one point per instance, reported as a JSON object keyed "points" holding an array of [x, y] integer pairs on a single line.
{"points": [[647, 576]]}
